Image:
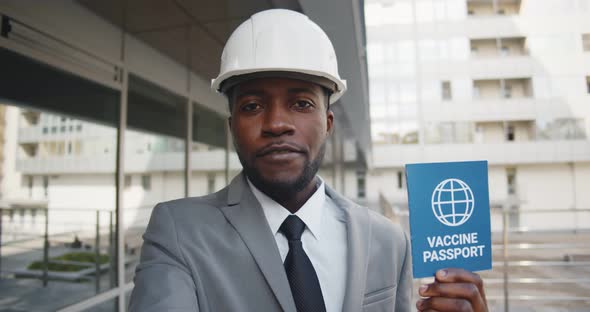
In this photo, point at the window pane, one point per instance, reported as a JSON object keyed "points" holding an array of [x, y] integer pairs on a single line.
{"points": [[58, 216], [154, 155], [208, 154]]}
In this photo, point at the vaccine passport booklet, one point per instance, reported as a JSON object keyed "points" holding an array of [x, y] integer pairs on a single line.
{"points": [[449, 216]]}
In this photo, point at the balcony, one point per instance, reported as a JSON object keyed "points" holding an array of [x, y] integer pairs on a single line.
{"points": [[30, 117], [489, 68], [493, 7], [493, 25], [500, 109], [30, 134], [496, 153], [495, 47], [501, 67], [486, 110], [38, 133], [134, 163], [489, 89], [67, 164]]}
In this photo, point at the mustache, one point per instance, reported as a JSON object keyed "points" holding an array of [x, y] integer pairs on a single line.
{"points": [[280, 146]]}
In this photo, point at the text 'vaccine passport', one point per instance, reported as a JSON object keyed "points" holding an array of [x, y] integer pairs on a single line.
{"points": [[449, 207]]}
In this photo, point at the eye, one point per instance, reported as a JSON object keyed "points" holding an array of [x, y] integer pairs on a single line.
{"points": [[303, 104], [250, 107]]}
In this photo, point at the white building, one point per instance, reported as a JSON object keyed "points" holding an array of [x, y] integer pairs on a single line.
{"points": [[506, 81], [59, 163]]}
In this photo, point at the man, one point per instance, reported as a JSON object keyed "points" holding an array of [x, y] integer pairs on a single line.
{"points": [[277, 238]]}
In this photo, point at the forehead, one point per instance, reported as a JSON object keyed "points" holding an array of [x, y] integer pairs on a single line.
{"points": [[277, 85]]}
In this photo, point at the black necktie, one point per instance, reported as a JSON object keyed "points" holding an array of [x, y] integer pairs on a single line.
{"points": [[303, 280]]}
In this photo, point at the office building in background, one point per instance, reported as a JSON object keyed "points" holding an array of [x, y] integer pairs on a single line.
{"points": [[500, 80]]}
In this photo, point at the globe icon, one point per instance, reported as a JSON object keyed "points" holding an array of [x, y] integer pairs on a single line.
{"points": [[452, 202]]}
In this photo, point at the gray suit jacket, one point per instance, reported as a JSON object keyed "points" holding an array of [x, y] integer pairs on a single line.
{"points": [[217, 253]]}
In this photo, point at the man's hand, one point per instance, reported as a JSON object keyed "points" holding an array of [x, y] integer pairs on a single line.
{"points": [[453, 290]]}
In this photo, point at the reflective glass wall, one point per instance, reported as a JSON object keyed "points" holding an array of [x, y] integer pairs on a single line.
{"points": [[153, 158], [88, 147], [57, 196]]}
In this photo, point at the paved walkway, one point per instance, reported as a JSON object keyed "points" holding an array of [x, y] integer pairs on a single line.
{"points": [[26, 294], [29, 294]]}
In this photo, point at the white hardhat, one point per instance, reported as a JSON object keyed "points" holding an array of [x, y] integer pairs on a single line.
{"points": [[280, 42]]}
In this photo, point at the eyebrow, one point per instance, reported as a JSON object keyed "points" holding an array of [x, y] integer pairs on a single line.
{"points": [[302, 90], [250, 93]]}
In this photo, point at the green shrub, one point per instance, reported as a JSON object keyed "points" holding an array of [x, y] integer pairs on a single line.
{"points": [[58, 267], [88, 257], [83, 257]]}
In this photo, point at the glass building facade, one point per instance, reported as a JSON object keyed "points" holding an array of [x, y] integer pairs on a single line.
{"points": [[106, 110]]}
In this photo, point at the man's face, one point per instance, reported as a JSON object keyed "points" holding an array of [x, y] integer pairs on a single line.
{"points": [[280, 127]]}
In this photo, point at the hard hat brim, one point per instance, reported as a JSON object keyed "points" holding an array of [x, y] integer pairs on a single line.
{"points": [[224, 82]]}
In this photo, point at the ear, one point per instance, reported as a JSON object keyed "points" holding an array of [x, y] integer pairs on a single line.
{"points": [[329, 121]]}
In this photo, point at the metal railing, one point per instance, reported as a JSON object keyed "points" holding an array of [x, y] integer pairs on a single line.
{"points": [[519, 253], [548, 243], [89, 229]]}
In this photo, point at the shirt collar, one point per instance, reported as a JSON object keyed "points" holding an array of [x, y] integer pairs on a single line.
{"points": [[311, 213]]}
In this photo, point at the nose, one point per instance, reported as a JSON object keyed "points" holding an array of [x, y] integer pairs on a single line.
{"points": [[277, 121]]}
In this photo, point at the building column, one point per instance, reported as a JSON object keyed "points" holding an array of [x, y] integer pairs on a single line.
{"points": [[338, 162]]}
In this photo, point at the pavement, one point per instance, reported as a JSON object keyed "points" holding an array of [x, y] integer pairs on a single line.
{"points": [[568, 280], [28, 294]]}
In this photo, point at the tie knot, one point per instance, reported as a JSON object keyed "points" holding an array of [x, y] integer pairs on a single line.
{"points": [[292, 228]]}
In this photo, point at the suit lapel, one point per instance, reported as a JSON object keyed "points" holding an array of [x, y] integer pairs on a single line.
{"points": [[245, 214], [358, 234]]}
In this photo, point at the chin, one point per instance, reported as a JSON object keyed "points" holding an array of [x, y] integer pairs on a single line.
{"points": [[284, 180]]}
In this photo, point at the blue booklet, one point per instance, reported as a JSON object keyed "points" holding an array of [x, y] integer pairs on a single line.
{"points": [[449, 216]]}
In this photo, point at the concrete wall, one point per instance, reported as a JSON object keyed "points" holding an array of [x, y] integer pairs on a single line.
{"points": [[517, 88], [481, 8], [491, 132], [509, 8], [515, 46], [546, 187], [487, 89], [485, 48], [11, 179], [385, 181]]}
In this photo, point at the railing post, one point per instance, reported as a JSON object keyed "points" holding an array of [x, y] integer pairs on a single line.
{"points": [[1, 214], [113, 263], [505, 212], [97, 253], [46, 249]]}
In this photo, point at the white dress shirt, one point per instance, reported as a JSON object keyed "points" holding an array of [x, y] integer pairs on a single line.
{"points": [[324, 240]]}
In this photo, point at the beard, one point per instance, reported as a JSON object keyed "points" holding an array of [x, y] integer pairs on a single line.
{"points": [[281, 189]]}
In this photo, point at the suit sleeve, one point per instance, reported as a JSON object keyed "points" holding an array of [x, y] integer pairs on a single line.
{"points": [[163, 281], [404, 288]]}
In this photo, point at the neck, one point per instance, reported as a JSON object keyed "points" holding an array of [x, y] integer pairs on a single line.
{"points": [[287, 197], [296, 200]]}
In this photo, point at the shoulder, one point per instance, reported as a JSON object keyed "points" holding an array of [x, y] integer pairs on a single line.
{"points": [[384, 227], [200, 209], [383, 231], [381, 227]]}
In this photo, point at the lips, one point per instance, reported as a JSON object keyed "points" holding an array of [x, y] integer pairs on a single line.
{"points": [[280, 150]]}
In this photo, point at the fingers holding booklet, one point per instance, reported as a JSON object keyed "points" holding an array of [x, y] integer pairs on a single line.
{"points": [[453, 290]]}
